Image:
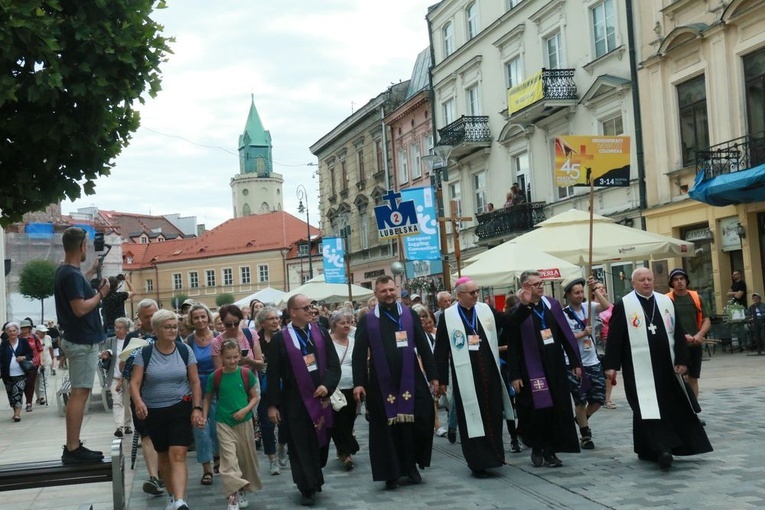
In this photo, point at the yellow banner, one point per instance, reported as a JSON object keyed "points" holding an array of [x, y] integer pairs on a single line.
{"points": [[604, 159], [525, 94]]}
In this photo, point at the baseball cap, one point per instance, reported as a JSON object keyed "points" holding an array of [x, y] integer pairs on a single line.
{"points": [[416, 296], [189, 302], [404, 293], [41, 328], [25, 324]]}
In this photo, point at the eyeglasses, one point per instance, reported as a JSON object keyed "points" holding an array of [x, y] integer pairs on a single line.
{"points": [[170, 327], [314, 313], [306, 308], [230, 324], [471, 292], [538, 285], [274, 318]]}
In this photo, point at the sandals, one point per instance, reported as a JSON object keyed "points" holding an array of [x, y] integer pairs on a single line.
{"points": [[609, 405], [207, 479], [17, 419]]}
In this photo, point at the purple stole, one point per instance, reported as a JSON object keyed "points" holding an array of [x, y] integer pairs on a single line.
{"points": [[540, 391], [399, 403], [319, 410]]}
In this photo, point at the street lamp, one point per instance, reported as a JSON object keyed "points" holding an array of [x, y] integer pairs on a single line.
{"points": [[438, 164], [302, 194], [344, 222]]}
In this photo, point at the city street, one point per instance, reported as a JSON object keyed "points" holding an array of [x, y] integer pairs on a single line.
{"points": [[610, 476]]}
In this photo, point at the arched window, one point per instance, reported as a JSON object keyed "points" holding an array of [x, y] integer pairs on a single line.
{"points": [[471, 13], [448, 34]]}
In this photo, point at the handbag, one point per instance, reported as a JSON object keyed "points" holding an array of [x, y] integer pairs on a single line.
{"points": [[27, 366]]}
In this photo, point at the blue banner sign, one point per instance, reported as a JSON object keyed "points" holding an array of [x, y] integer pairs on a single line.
{"points": [[333, 252], [425, 245]]}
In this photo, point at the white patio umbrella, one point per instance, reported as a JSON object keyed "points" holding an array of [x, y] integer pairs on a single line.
{"points": [[316, 288], [267, 295], [503, 264], [567, 235]]}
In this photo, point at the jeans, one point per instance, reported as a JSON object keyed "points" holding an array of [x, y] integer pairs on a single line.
{"points": [[267, 429], [206, 439]]}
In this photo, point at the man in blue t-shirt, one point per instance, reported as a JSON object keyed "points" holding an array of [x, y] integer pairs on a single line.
{"points": [[77, 309]]}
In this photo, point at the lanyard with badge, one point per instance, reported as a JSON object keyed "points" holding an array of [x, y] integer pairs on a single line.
{"points": [[309, 358], [401, 339], [474, 341], [545, 332], [587, 339]]}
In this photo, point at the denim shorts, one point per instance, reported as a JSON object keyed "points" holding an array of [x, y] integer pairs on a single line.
{"points": [[82, 360]]}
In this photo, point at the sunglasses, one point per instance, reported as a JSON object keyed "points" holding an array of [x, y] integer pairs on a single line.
{"points": [[314, 313], [230, 324], [306, 308]]}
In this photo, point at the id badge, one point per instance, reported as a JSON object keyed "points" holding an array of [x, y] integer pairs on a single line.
{"points": [[587, 343], [547, 337], [401, 339], [474, 342], [310, 362]]}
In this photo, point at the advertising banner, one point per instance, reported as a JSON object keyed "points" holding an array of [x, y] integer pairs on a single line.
{"points": [[425, 245], [333, 253], [604, 159], [525, 93]]}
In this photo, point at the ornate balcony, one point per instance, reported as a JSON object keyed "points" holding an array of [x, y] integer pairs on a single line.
{"points": [[732, 156], [542, 95], [731, 173], [467, 134], [509, 221]]}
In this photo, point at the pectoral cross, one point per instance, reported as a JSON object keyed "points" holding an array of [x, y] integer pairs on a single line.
{"points": [[652, 328]]}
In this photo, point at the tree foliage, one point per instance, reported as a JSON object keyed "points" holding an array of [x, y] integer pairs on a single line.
{"points": [[71, 72], [179, 298], [224, 299], [36, 281]]}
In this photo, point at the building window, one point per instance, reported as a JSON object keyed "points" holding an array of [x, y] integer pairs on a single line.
{"points": [[613, 127], [455, 194], [149, 285], [479, 184], [754, 74], [694, 124], [513, 72], [193, 280], [177, 281], [604, 27], [403, 171], [343, 176], [144, 240], [303, 250], [474, 100], [228, 276], [244, 275], [471, 13], [448, 110], [378, 156], [263, 276], [429, 144], [512, 3], [522, 169], [448, 35], [332, 191], [360, 163], [210, 278], [414, 152], [554, 55], [364, 231]]}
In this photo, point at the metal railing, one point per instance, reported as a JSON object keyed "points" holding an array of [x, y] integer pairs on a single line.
{"points": [[558, 84], [466, 129], [509, 220], [732, 156]]}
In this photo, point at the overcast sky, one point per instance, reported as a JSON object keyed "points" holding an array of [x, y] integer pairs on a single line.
{"points": [[307, 62]]}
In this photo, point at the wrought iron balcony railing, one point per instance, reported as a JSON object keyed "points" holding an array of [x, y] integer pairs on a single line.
{"points": [[558, 84], [466, 129], [732, 156], [509, 220]]}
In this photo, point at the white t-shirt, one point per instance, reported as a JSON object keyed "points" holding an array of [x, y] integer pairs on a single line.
{"points": [[47, 344], [587, 343], [346, 367]]}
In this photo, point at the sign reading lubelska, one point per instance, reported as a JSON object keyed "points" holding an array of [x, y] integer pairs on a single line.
{"points": [[333, 253], [603, 159], [425, 245], [398, 218]]}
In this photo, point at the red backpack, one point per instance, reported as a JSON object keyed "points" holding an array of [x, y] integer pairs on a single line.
{"points": [[218, 375]]}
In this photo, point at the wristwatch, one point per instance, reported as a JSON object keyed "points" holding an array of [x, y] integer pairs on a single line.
{"points": [[198, 408]]}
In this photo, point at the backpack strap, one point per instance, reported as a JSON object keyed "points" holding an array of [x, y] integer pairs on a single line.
{"points": [[217, 376], [183, 350], [146, 353], [248, 333]]}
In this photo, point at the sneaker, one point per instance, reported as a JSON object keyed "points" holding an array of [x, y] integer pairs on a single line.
{"points": [[118, 432], [241, 498], [152, 486], [515, 447], [233, 504], [128, 431], [275, 468], [441, 432], [170, 503], [180, 505], [94, 452], [282, 455], [80, 455]]}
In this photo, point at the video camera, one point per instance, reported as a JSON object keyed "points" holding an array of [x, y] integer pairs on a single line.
{"points": [[99, 244]]}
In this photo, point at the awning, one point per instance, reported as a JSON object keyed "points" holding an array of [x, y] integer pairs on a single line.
{"points": [[740, 187]]}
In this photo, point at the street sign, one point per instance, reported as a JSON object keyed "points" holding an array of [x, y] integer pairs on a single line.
{"points": [[398, 218]]}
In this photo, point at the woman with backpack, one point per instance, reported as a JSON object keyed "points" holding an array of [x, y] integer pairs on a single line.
{"points": [[165, 389], [246, 338]]}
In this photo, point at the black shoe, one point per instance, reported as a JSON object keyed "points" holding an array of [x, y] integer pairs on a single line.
{"points": [[307, 498], [587, 443], [391, 485], [451, 435], [128, 431], [665, 460], [537, 458], [94, 452], [552, 460], [80, 455], [515, 447], [414, 476], [118, 433]]}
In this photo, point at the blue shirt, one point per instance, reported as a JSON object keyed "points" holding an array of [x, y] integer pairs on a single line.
{"points": [[71, 284]]}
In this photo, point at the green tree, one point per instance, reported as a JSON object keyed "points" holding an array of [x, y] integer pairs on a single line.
{"points": [[36, 282], [224, 299], [179, 299], [71, 72]]}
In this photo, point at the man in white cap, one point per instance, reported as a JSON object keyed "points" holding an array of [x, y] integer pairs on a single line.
{"points": [[46, 361]]}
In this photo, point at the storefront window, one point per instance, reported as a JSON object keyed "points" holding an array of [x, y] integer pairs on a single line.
{"points": [[699, 267], [622, 281]]}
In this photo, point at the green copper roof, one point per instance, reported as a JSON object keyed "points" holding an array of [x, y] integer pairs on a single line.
{"points": [[254, 132]]}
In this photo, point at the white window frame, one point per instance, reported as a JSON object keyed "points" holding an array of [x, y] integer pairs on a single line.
{"points": [[429, 144], [303, 250], [447, 36], [177, 281], [473, 100], [193, 279], [604, 15], [149, 285], [210, 277], [245, 277], [556, 39], [513, 72], [264, 273], [455, 193], [403, 164], [609, 126], [522, 175], [414, 153], [448, 111], [471, 16], [228, 276], [364, 230], [479, 190]]}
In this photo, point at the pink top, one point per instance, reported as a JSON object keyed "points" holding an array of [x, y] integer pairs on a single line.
{"points": [[244, 344]]}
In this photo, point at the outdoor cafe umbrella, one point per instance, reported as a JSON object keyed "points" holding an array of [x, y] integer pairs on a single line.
{"points": [[317, 289], [267, 295], [566, 236], [503, 264]]}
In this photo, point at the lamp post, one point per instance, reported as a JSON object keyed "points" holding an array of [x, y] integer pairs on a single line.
{"points": [[344, 221], [438, 164], [302, 194]]}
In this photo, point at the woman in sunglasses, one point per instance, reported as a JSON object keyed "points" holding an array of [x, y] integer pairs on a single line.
{"points": [[249, 344]]}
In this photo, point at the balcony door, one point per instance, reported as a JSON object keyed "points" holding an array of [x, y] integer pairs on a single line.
{"points": [[754, 74]]}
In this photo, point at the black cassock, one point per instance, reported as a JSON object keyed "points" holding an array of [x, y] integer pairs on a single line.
{"points": [[394, 450], [306, 457], [679, 430], [486, 451], [551, 429]]}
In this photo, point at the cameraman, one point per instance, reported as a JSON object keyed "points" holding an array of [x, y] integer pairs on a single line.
{"points": [[113, 305]]}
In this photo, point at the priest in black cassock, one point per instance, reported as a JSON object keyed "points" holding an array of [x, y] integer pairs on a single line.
{"points": [[647, 342], [467, 343], [386, 373], [303, 371], [538, 334]]}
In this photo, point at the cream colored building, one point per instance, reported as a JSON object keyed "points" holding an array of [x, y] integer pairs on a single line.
{"points": [[702, 83]]}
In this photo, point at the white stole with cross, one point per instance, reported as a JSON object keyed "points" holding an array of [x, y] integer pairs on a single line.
{"points": [[463, 371], [641, 352]]}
